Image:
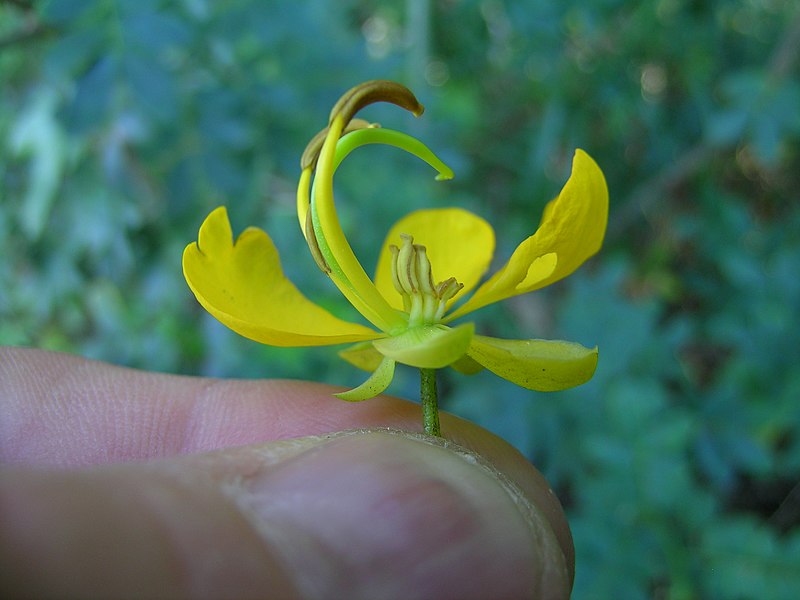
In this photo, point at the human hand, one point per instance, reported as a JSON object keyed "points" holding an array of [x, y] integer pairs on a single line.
{"points": [[121, 483]]}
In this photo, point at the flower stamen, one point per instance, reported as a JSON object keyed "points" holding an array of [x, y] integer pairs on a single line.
{"points": [[412, 276], [445, 291]]}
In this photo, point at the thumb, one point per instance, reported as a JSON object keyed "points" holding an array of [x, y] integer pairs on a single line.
{"points": [[367, 514]]}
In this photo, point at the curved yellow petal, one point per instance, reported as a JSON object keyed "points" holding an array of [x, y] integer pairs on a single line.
{"points": [[541, 365], [374, 385], [427, 346], [459, 244], [243, 286], [572, 229]]}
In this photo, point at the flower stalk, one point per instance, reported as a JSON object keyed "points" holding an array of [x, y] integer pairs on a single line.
{"points": [[429, 398]]}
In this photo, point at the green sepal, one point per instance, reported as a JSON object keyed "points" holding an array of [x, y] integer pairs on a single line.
{"points": [[428, 346], [374, 385]]}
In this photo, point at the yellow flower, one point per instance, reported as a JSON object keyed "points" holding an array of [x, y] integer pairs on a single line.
{"points": [[429, 262]]}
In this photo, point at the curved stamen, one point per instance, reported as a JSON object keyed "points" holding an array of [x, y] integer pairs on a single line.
{"points": [[303, 197], [345, 270], [316, 211], [346, 107], [308, 162], [363, 137], [313, 148]]}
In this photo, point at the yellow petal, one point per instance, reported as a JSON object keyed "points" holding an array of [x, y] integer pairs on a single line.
{"points": [[363, 356], [374, 385], [428, 346], [244, 287], [572, 230], [459, 244], [466, 366], [541, 365]]}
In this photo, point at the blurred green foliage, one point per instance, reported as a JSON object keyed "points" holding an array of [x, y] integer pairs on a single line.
{"points": [[122, 124]]}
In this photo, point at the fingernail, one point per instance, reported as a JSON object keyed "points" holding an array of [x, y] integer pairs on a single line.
{"points": [[395, 515]]}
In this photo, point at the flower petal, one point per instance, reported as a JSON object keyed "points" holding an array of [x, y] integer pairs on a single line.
{"points": [[243, 286], [428, 346], [363, 356], [467, 366], [572, 230], [541, 365], [459, 244], [374, 385]]}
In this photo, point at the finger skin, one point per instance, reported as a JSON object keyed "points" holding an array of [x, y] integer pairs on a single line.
{"points": [[64, 411], [354, 515], [127, 532]]}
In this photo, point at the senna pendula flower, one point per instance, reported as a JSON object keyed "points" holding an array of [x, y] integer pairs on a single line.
{"points": [[430, 260]]}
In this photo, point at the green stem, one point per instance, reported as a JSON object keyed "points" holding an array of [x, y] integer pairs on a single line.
{"points": [[429, 399]]}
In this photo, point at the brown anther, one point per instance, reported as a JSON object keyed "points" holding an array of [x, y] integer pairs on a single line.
{"points": [[448, 288], [423, 266], [369, 92], [354, 100], [412, 276]]}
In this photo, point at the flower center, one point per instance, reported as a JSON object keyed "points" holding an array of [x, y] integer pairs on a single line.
{"points": [[424, 302]]}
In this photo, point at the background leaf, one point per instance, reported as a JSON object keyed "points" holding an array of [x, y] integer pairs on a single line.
{"points": [[122, 124]]}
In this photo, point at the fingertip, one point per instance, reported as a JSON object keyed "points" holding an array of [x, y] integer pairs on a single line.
{"points": [[392, 514]]}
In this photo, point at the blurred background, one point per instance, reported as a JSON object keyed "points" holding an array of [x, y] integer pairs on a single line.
{"points": [[122, 124]]}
